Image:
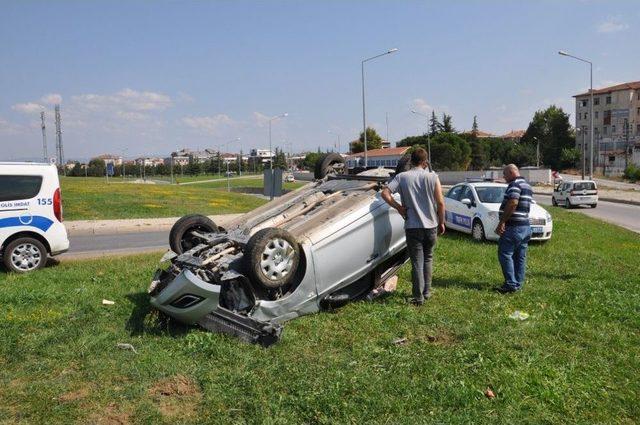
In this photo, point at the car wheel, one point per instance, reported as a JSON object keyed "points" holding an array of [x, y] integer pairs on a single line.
{"points": [[567, 204], [181, 237], [477, 231], [329, 164], [24, 255], [594, 205], [553, 201], [271, 258]]}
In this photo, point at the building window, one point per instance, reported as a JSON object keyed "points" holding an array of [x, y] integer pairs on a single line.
{"points": [[596, 115], [608, 100], [596, 100], [584, 102], [613, 129], [638, 129], [612, 158], [638, 111], [604, 130]]}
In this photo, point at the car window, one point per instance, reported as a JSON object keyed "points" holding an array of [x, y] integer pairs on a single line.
{"points": [[454, 192], [467, 193], [13, 188], [584, 186], [490, 194]]}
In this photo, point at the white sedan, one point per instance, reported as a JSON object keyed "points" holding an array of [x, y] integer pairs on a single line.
{"points": [[473, 208]]}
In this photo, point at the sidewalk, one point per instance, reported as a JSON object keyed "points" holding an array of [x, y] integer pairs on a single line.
{"points": [[111, 227]]}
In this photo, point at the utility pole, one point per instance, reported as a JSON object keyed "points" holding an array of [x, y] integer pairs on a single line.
{"points": [[59, 148], [387, 121], [44, 138]]}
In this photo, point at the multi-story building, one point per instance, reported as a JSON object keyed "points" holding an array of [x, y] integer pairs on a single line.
{"points": [[616, 127], [261, 155]]}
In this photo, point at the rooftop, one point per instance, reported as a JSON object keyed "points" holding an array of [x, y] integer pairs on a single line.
{"points": [[381, 152], [514, 134], [634, 85]]}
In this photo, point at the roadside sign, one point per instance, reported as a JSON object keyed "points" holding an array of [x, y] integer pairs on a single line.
{"points": [[110, 169]]}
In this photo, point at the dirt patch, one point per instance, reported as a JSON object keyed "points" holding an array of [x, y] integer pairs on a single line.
{"points": [[76, 395], [177, 395], [441, 337], [112, 415]]}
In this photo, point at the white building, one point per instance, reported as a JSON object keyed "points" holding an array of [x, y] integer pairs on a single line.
{"points": [[110, 159], [261, 155], [377, 158]]}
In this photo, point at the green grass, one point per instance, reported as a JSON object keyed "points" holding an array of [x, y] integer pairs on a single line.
{"points": [[575, 360], [94, 199]]}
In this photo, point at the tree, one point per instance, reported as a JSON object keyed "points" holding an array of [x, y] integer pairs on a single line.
{"points": [[434, 124], [474, 127], [374, 141], [550, 128], [447, 124], [310, 160], [280, 161], [412, 141], [193, 168], [450, 152], [570, 157]]}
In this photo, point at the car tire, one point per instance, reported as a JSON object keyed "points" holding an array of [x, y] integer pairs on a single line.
{"points": [[567, 203], [180, 238], [553, 201], [404, 164], [477, 231], [24, 255], [594, 205], [266, 250], [328, 164]]}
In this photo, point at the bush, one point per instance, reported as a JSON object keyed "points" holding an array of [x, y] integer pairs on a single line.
{"points": [[632, 173]]}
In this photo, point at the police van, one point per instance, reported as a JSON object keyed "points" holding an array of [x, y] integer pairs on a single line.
{"points": [[30, 215]]}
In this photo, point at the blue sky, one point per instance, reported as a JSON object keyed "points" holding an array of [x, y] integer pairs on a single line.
{"points": [[149, 77]]}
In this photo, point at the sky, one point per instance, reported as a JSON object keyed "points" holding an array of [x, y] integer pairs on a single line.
{"points": [[145, 78]]}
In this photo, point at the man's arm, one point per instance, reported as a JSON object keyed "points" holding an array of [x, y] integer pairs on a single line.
{"points": [[388, 198], [440, 204], [509, 208]]}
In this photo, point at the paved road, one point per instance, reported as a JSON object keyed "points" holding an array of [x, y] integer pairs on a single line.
{"points": [[627, 216], [606, 183], [87, 246]]}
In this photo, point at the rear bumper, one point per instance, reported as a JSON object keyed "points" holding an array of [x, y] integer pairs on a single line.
{"points": [[583, 200]]}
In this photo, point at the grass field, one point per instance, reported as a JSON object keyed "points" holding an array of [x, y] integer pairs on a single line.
{"points": [[575, 360], [93, 198]]}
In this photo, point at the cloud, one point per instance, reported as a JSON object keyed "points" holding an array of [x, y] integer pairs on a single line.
{"points": [[209, 124], [612, 25], [126, 99], [51, 99], [28, 108], [9, 128], [260, 119], [421, 106]]}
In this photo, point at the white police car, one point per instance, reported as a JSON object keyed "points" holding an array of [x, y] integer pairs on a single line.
{"points": [[30, 215], [473, 208]]}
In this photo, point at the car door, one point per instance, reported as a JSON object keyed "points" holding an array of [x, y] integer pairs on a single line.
{"points": [[463, 217], [452, 206]]}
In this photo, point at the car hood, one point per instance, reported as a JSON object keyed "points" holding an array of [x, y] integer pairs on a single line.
{"points": [[536, 210]]}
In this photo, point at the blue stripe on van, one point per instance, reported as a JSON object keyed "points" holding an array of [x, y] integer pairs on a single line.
{"points": [[37, 221]]}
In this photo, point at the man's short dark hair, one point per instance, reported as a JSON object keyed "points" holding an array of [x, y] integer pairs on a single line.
{"points": [[418, 156]]}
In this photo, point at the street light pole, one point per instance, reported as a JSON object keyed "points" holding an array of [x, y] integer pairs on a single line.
{"points": [[271, 152], [226, 147], [413, 111], [364, 114], [563, 53]]}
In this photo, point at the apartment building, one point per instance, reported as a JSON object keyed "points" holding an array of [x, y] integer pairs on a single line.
{"points": [[616, 126]]}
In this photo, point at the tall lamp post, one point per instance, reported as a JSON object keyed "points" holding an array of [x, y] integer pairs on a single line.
{"points": [[563, 53], [337, 136], [413, 111], [272, 119], [364, 114]]}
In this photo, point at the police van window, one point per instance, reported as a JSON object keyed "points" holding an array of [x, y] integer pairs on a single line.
{"points": [[467, 194], [584, 186], [15, 188]]}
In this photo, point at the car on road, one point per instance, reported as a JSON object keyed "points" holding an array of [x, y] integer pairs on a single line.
{"points": [[473, 207], [289, 178], [31, 225], [576, 192], [318, 247]]}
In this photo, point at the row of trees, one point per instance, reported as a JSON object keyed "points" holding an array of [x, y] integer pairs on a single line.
{"points": [[216, 165], [549, 130]]}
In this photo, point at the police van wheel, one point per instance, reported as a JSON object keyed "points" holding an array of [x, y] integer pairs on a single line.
{"points": [[477, 231], [24, 255]]}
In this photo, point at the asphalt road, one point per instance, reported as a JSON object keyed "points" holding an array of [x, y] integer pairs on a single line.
{"points": [[87, 246], [627, 216]]}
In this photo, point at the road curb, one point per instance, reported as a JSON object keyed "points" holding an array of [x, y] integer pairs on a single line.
{"points": [[138, 225]]}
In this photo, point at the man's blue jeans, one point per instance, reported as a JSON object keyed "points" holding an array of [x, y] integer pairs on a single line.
{"points": [[512, 254]]}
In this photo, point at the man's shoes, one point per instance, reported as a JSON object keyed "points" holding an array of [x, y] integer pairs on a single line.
{"points": [[428, 295], [504, 289], [416, 302]]}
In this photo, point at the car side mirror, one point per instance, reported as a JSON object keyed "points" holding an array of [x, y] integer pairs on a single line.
{"points": [[533, 201], [467, 202]]}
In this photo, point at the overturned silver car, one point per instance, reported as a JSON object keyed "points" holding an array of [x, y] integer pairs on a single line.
{"points": [[321, 246]]}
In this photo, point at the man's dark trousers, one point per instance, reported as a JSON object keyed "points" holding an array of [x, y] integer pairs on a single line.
{"points": [[420, 243]]}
